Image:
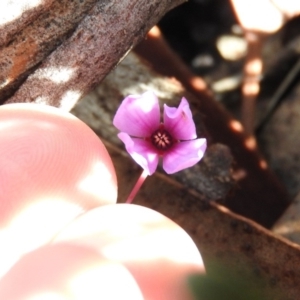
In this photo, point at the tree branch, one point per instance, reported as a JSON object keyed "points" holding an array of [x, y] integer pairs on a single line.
{"points": [[92, 37]]}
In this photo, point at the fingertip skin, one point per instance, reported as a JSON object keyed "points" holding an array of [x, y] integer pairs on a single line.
{"points": [[68, 272], [47, 152], [53, 167], [159, 254]]}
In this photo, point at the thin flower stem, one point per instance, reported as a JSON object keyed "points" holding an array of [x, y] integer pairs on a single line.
{"points": [[137, 186], [251, 82]]}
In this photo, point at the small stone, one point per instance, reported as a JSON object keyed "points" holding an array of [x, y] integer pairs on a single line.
{"points": [[203, 60], [232, 47]]}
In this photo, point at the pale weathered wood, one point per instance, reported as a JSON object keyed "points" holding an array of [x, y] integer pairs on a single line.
{"points": [[103, 36]]}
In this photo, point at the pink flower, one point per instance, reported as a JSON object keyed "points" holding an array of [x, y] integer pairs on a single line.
{"points": [[146, 139]]}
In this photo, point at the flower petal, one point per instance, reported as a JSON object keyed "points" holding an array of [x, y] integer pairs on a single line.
{"points": [[179, 121], [141, 151], [184, 155], [138, 115]]}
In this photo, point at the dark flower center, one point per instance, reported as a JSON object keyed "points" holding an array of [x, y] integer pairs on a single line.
{"points": [[162, 139]]}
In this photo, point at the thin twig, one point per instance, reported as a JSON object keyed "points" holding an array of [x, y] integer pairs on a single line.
{"points": [[251, 84]]}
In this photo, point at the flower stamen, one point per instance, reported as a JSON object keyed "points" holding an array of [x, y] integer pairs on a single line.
{"points": [[162, 139]]}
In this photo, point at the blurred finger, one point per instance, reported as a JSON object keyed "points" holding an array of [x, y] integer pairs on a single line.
{"points": [[52, 168], [158, 253], [65, 272]]}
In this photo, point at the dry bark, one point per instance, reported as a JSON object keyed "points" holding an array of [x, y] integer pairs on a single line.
{"points": [[35, 41], [18, 16], [83, 40]]}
